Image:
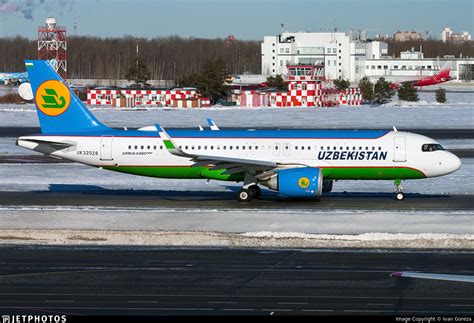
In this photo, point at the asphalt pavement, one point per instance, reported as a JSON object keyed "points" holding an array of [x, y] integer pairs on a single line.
{"points": [[155, 281]]}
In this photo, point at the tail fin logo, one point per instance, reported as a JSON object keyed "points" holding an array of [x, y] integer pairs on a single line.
{"points": [[52, 98]]}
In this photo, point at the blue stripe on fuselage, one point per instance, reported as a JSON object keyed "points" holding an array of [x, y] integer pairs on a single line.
{"points": [[287, 133]]}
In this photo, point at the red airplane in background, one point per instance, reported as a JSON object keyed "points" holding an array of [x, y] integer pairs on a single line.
{"points": [[444, 75]]}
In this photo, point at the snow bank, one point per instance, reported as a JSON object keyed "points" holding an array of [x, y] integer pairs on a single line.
{"points": [[213, 239]]}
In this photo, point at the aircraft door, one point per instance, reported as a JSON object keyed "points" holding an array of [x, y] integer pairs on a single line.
{"points": [[399, 149], [106, 147]]}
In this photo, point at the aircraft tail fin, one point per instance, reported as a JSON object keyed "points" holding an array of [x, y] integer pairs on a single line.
{"points": [[446, 69], [59, 109]]}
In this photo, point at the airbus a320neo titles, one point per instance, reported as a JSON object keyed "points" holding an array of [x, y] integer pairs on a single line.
{"points": [[296, 163]]}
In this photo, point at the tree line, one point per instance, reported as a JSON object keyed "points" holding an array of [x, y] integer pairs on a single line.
{"points": [[166, 58], [431, 48]]}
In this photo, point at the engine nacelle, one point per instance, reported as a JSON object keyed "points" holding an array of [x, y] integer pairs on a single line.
{"points": [[297, 182]]}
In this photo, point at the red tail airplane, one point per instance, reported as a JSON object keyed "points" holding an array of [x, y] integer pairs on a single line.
{"points": [[442, 76]]}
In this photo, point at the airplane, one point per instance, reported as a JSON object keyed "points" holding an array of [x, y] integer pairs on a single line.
{"points": [[295, 163], [13, 78], [444, 75]]}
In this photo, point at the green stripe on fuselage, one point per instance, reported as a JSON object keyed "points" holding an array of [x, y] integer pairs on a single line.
{"points": [[184, 172]]}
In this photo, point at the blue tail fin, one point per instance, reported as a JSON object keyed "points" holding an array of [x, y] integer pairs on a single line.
{"points": [[59, 109]]}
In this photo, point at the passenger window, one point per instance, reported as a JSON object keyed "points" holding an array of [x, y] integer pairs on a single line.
{"points": [[154, 147], [129, 147], [147, 147]]}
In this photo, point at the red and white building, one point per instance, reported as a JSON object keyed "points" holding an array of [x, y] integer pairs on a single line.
{"points": [[178, 98], [306, 88]]}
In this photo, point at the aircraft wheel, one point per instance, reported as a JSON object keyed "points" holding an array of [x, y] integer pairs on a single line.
{"points": [[399, 196], [245, 195], [255, 191]]}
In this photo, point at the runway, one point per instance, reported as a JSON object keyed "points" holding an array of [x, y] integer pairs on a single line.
{"points": [[218, 200], [157, 281]]}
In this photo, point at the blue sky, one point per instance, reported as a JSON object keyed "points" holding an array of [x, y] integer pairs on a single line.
{"points": [[246, 19]]}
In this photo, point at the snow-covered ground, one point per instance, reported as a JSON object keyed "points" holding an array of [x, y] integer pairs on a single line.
{"points": [[425, 114], [40, 177], [287, 221]]}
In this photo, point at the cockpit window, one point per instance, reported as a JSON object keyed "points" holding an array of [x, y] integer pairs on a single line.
{"points": [[431, 147]]}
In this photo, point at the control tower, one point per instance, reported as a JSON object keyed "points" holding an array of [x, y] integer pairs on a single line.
{"points": [[52, 45]]}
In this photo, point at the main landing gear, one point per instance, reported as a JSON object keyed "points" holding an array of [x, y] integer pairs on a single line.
{"points": [[399, 196], [249, 193]]}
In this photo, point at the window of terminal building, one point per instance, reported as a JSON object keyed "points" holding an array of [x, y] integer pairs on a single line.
{"points": [[379, 67], [329, 63], [385, 67], [373, 67], [334, 62], [281, 63], [287, 50], [404, 67], [282, 50], [329, 50], [395, 67], [334, 50], [304, 86]]}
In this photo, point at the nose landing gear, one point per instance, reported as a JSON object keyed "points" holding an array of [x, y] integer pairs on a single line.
{"points": [[399, 196]]}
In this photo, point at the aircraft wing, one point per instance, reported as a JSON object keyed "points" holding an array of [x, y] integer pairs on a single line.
{"points": [[458, 278], [229, 164]]}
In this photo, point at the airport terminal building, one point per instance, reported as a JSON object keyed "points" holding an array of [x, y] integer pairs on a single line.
{"points": [[350, 55]]}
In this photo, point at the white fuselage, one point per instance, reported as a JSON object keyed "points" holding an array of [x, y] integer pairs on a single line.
{"points": [[395, 149]]}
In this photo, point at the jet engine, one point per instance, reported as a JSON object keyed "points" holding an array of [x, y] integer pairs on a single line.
{"points": [[297, 182]]}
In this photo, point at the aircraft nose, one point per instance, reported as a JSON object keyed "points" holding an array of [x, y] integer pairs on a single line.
{"points": [[453, 163]]}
